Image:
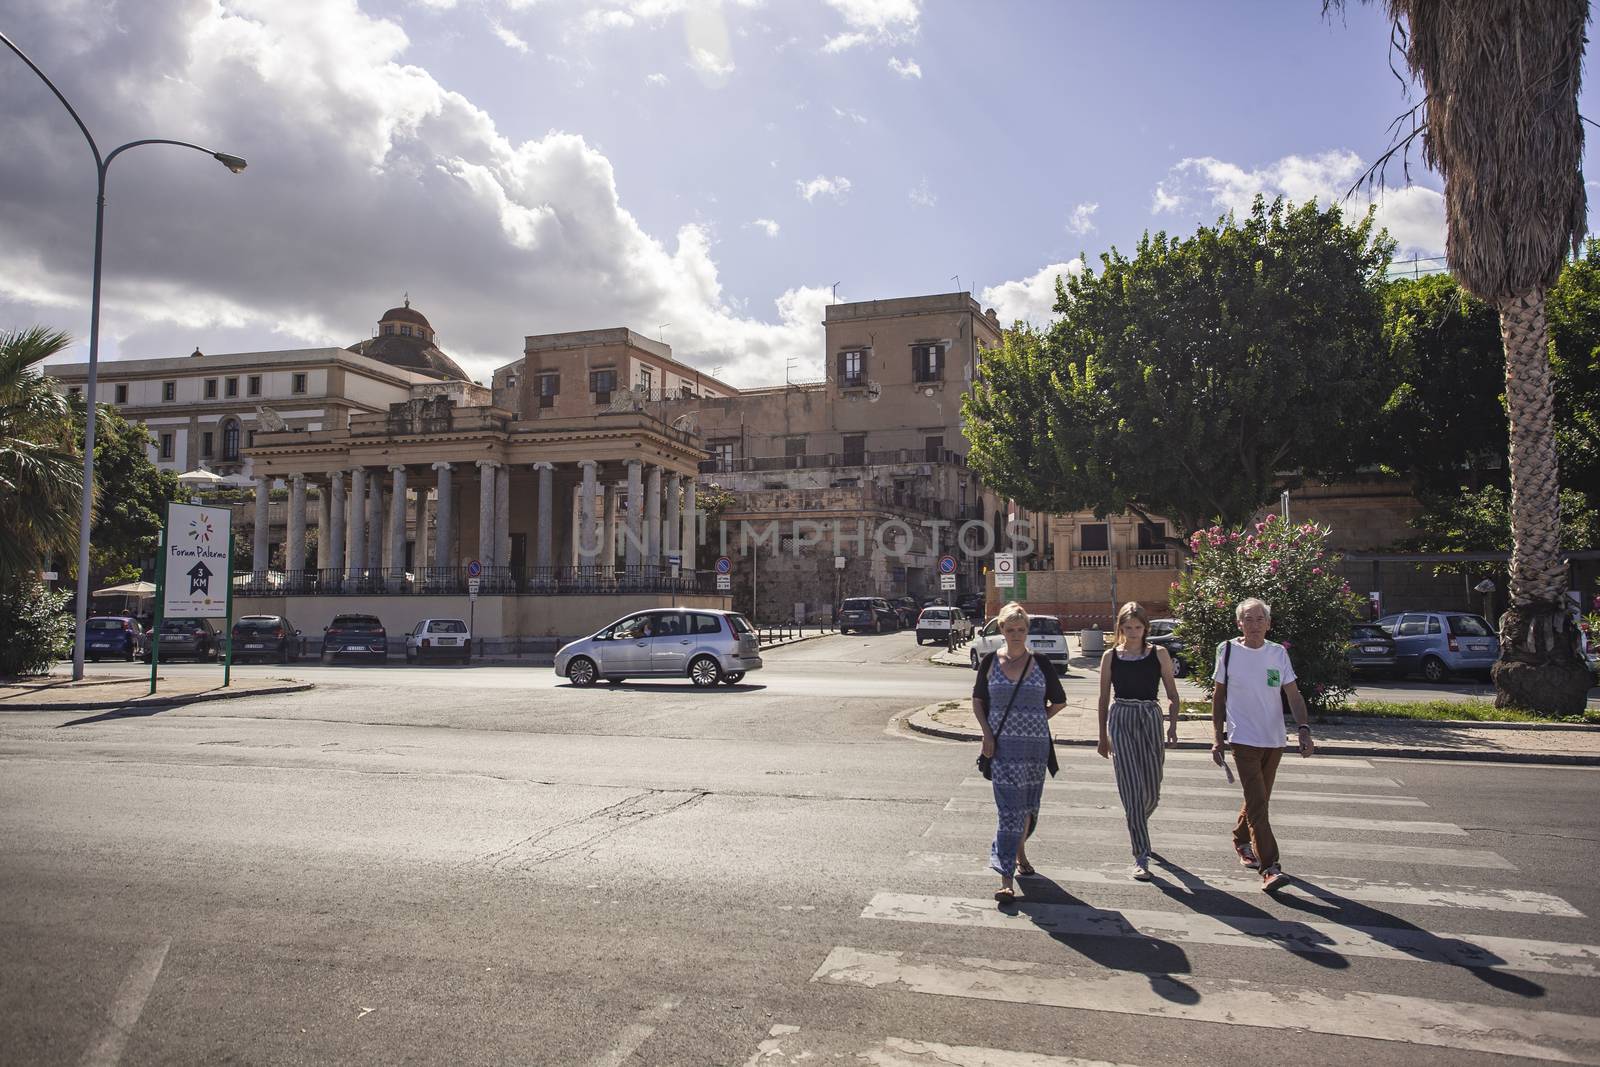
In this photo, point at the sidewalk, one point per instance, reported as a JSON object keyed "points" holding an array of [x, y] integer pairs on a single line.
{"points": [[100, 693], [1544, 743]]}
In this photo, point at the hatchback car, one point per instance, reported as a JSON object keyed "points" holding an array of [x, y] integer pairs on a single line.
{"points": [[937, 624], [445, 639], [1372, 649], [1440, 643], [355, 636], [1045, 639], [1164, 632], [267, 637], [705, 645], [113, 635], [862, 613], [196, 638]]}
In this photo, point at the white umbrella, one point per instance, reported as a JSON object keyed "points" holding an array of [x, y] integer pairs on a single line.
{"points": [[130, 589], [200, 479]]}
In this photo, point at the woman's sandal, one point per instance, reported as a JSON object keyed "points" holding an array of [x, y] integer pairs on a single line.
{"points": [[1005, 895], [1025, 871]]}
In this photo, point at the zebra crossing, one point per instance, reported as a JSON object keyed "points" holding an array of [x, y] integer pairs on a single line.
{"points": [[1355, 843]]}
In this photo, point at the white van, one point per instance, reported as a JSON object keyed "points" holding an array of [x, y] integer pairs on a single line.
{"points": [[1044, 639], [937, 622]]}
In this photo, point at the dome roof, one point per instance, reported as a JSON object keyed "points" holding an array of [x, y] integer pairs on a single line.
{"points": [[405, 314], [411, 353]]}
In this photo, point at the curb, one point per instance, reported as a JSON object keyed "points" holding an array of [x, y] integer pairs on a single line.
{"points": [[1549, 759], [159, 701]]}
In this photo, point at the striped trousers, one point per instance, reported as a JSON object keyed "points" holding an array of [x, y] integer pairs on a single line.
{"points": [[1137, 759]]}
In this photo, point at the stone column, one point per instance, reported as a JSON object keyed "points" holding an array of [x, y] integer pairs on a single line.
{"points": [[502, 516], [672, 528], [358, 521], [443, 522], [332, 547], [588, 542], [258, 561], [294, 553], [691, 526], [419, 554], [652, 519], [635, 525], [486, 481], [324, 525], [397, 523], [375, 529], [544, 531], [608, 527]]}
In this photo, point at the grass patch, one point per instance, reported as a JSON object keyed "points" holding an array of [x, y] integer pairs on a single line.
{"points": [[1462, 710]]}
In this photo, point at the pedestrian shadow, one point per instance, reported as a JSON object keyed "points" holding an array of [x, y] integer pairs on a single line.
{"points": [[1135, 952], [1328, 906]]}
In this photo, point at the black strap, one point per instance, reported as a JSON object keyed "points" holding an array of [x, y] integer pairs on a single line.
{"points": [[1004, 715]]}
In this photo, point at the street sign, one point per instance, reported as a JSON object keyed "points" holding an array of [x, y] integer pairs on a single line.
{"points": [[473, 584], [838, 563], [674, 563], [724, 565], [1005, 570], [947, 581], [947, 564], [196, 562], [474, 569], [724, 582]]}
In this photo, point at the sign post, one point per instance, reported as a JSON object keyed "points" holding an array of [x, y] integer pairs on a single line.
{"points": [[196, 551], [674, 568], [947, 576]]}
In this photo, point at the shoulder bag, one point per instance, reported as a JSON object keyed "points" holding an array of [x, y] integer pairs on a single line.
{"points": [[986, 763]]}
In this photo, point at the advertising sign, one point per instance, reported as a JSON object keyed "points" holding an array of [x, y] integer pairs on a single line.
{"points": [[195, 567]]}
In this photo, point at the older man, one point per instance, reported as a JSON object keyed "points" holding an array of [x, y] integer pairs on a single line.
{"points": [[1253, 676]]}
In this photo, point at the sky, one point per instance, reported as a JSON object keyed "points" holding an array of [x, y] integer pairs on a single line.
{"points": [[710, 173]]}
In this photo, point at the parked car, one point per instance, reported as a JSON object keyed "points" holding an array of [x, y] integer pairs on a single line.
{"points": [[357, 636], [705, 645], [937, 623], [1045, 638], [1164, 632], [439, 639], [1372, 649], [267, 636], [1441, 643], [862, 613], [905, 610], [972, 604], [184, 638], [113, 635]]}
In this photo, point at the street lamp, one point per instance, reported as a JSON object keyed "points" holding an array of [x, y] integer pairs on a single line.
{"points": [[102, 164]]}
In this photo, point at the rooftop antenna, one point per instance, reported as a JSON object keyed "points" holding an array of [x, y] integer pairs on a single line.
{"points": [[407, 297], [835, 292], [957, 279], [663, 326]]}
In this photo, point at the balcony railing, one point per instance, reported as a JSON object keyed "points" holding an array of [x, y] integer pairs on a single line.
{"points": [[1091, 560], [1152, 559], [494, 581]]}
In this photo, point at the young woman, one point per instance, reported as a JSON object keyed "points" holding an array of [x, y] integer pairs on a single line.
{"points": [[1013, 699], [1133, 670]]}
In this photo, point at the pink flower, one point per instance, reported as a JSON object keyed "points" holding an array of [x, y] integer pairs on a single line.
{"points": [[1261, 527], [1316, 570], [1288, 644], [1272, 565], [1174, 585], [1235, 536]]}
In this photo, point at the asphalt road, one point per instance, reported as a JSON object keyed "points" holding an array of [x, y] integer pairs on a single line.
{"points": [[487, 866]]}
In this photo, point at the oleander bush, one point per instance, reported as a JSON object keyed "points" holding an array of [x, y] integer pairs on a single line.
{"points": [[35, 629]]}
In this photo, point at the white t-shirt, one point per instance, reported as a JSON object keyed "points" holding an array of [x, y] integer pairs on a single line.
{"points": [[1255, 681]]}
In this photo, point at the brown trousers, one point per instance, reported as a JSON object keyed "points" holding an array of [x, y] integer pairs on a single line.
{"points": [[1258, 767]]}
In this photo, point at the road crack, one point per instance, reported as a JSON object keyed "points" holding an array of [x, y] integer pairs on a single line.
{"points": [[583, 834]]}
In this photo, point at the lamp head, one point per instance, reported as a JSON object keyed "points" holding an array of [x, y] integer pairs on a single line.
{"points": [[233, 163]]}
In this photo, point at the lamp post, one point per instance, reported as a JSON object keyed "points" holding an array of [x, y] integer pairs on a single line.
{"points": [[102, 164]]}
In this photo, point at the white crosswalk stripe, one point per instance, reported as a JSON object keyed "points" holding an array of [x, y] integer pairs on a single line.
{"points": [[1339, 824]]}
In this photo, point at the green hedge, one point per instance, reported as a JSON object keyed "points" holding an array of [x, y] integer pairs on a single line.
{"points": [[35, 629]]}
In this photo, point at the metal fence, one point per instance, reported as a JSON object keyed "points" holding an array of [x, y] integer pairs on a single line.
{"points": [[492, 581]]}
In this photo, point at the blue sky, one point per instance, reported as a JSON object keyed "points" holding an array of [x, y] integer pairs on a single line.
{"points": [[526, 166]]}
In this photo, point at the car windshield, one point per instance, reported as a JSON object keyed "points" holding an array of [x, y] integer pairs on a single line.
{"points": [[359, 623], [447, 626], [1469, 626], [105, 624], [1038, 627], [249, 626], [935, 613], [1364, 633], [857, 605]]}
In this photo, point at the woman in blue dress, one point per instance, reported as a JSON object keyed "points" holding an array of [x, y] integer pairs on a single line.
{"points": [[1013, 699]]}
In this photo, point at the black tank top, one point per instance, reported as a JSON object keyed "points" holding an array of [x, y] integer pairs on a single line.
{"points": [[1136, 679]]}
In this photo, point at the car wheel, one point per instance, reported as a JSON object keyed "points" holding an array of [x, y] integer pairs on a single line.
{"points": [[1179, 668], [327, 659], [94, 659], [581, 672], [283, 657], [132, 655], [733, 678], [705, 672], [1434, 670]]}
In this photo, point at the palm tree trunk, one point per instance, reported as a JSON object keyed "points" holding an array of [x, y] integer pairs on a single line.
{"points": [[1540, 668]]}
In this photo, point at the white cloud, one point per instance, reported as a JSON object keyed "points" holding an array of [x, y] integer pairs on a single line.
{"points": [[1082, 219], [596, 21], [907, 68], [513, 237], [658, 79], [879, 15], [1413, 215], [507, 37], [767, 226], [923, 195], [843, 42], [709, 62], [850, 116], [822, 185], [1032, 298]]}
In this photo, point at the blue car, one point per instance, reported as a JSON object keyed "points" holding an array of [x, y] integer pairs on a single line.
{"points": [[1437, 644], [113, 637]]}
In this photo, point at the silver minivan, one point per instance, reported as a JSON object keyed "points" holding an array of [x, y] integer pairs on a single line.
{"points": [[705, 645]]}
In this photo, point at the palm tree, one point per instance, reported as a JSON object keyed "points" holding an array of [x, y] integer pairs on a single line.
{"points": [[1499, 121], [40, 487]]}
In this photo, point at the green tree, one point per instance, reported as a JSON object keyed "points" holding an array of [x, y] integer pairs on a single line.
{"points": [[35, 629], [1499, 121], [1573, 309], [1185, 380], [127, 518], [1480, 521], [40, 464]]}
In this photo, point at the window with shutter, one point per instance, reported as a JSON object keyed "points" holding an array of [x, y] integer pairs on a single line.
{"points": [[853, 367], [549, 389]]}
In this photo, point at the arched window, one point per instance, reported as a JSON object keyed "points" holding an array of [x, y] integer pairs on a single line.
{"points": [[230, 441]]}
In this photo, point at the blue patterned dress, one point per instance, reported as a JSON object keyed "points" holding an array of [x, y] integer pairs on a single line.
{"points": [[1021, 753]]}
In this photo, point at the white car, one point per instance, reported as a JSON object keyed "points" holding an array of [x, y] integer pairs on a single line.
{"points": [[1045, 639], [446, 639], [936, 623]]}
